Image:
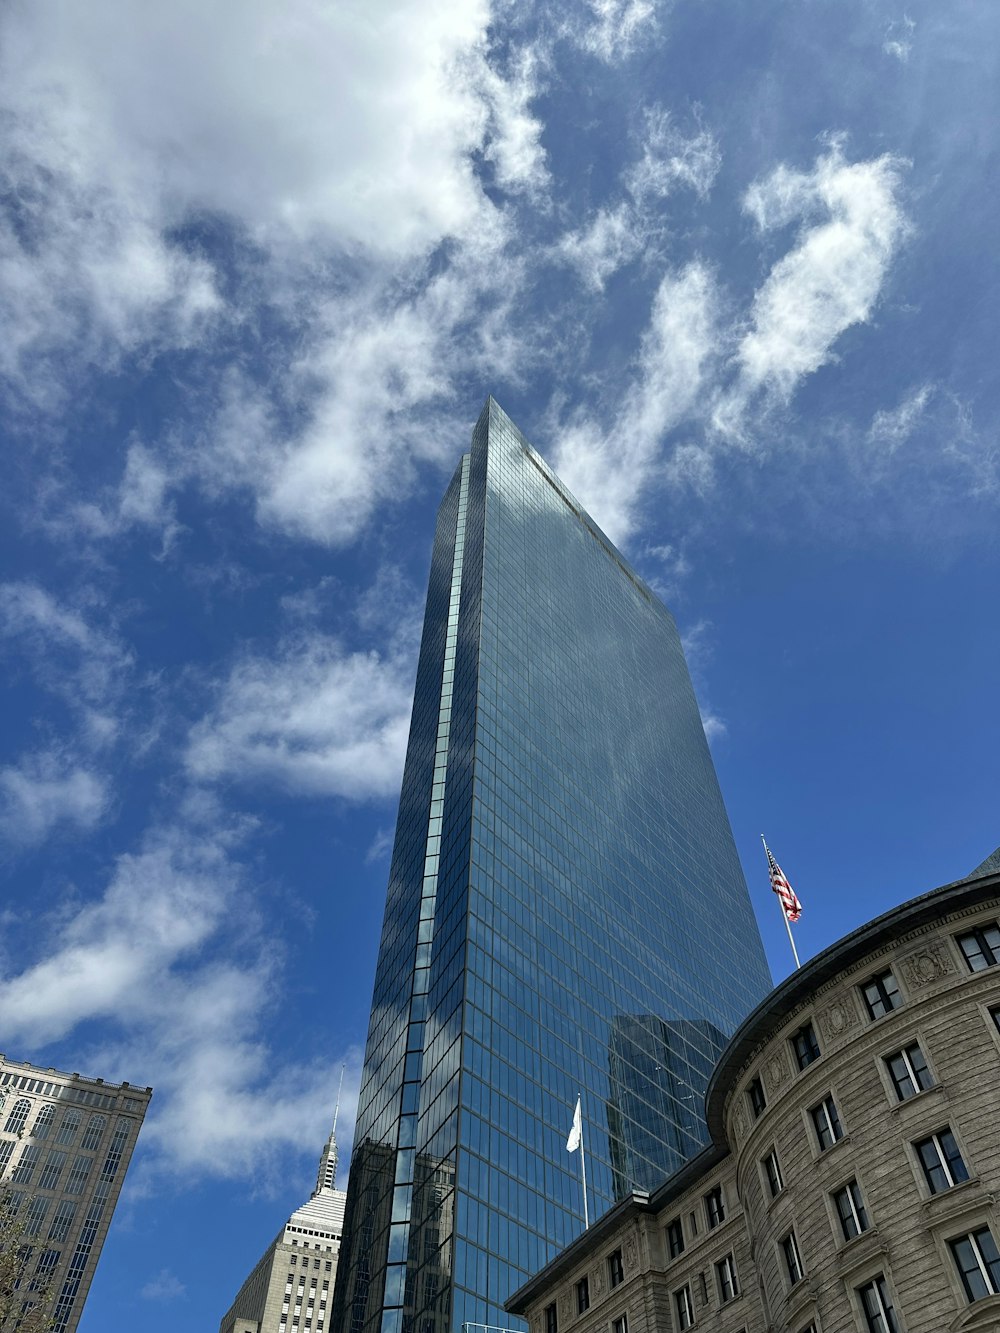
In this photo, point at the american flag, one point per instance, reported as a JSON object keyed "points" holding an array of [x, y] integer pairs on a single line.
{"points": [[790, 904]]}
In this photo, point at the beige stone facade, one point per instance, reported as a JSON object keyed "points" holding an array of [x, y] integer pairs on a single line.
{"points": [[65, 1145], [291, 1288], [853, 1178]]}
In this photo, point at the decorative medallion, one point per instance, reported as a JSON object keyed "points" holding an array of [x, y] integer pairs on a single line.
{"points": [[839, 1018], [775, 1072], [927, 964]]}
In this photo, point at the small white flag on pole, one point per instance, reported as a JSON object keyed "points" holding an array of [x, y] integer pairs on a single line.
{"points": [[576, 1133], [575, 1141]]}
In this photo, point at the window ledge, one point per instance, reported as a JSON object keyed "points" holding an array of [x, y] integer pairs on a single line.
{"points": [[898, 1107]]}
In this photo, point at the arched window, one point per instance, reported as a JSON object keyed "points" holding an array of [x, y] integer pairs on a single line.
{"points": [[18, 1116], [95, 1128], [43, 1123], [68, 1128]]}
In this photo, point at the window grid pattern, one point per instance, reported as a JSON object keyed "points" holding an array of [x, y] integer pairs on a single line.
{"points": [[793, 1260], [545, 890]]}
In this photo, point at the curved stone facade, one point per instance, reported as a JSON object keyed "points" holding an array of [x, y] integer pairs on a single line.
{"points": [[853, 1180]]}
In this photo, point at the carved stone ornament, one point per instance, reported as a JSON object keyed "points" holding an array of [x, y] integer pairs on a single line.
{"points": [[631, 1253], [838, 1018], [739, 1126], [927, 964], [775, 1072], [564, 1308], [597, 1281]]}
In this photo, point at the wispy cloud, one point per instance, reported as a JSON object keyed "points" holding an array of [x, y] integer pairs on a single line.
{"points": [[830, 279], [45, 790], [311, 718], [672, 159], [611, 29], [165, 1286], [899, 38], [172, 957], [892, 426], [611, 471]]}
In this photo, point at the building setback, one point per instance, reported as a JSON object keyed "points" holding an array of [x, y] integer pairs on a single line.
{"points": [[566, 911], [291, 1286], [852, 1180], [65, 1145]]}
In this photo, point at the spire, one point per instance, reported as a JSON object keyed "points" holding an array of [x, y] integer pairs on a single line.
{"points": [[326, 1178]]}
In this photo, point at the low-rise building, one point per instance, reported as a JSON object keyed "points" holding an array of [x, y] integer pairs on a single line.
{"points": [[852, 1180], [65, 1145]]}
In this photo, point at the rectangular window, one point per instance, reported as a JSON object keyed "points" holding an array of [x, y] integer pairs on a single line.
{"points": [[877, 1307], [715, 1208], [62, 1220], [620, 1325], [826, 1123], [52, 1170], [978, 1262], [793, 1260], [725, 1272], [25, 1168], [805, 1046], [908, 1071], [616, 1273], [675, 1238], [851, 1210], [684, 1308], [941, 1160], [583, 1295], [756, 1098], [551, 1323], [881, 995], [772, 1171], [981, 947]]}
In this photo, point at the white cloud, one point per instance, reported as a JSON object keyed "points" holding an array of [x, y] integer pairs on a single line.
{"points": [[892, 426], [312, 719], [671, 159], [899, 39], [831, 278], [165, 1286], [175, 964], [610, 472], [613, 28], [612, 238], [714, 725], [46, 790], [85, 666]]}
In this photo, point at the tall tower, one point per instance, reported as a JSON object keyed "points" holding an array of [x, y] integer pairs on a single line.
{"points": [[291, 1286], [563, 866]]}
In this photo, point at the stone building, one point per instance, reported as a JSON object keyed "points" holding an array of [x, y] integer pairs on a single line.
{"points": [[65, 1145], [853, 1178], [291, 1286]]}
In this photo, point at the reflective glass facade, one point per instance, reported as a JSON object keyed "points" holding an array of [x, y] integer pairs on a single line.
{"points": [[566, 911]]}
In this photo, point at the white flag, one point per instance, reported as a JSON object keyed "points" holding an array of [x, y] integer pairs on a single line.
{"points": [[576, 1133]]}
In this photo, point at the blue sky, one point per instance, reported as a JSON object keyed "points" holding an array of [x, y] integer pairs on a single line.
{"points": [[732, 268]]}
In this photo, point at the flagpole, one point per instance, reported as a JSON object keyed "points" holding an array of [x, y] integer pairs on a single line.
{"points": [[784, 914], [583, 1169]]}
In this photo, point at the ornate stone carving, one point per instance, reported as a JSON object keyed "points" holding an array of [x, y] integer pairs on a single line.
{"points": [[927, 964], [631, 1253], [597, 1281], [775, 1072], [838, 1018], [739, 1126]]}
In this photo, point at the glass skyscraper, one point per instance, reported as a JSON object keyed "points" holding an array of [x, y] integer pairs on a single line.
{"points": [[566, 911]]}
